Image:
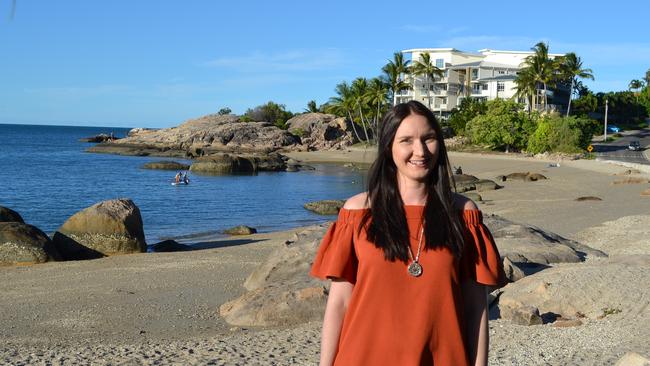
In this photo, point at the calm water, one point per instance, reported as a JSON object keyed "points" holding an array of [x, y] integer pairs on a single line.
{"points": [[48, 177]]}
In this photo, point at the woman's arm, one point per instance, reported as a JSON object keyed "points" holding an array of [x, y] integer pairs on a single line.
{"points": [[476, 318], [337, 304]]}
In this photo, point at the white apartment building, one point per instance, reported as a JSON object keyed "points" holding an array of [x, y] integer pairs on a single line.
{"points": [[486, 75]]}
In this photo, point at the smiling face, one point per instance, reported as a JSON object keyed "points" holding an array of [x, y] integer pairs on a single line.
{"points": [[415, 149]]}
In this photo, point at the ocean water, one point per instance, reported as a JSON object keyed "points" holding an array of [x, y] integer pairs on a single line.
{"points": [[48, 177]]}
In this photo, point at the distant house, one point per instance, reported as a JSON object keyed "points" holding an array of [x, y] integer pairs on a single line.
{"points": [[486, 75]]}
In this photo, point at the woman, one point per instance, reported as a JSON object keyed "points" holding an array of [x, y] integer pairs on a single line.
{"points": [[409, 260]]}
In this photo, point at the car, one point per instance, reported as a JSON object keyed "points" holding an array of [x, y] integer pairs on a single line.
{"points": [[634, 145], [613, 128]]}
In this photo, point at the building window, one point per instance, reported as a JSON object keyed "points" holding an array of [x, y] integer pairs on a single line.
{"points": [[501, 72], [446, 73], [474, 73], [500, 86], [485, 87], [440, 63]]}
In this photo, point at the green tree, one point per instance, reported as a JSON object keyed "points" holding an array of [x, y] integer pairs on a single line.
{"points": [[571, 69], [540, 69], [502, 126], [224, 111], [312, 107], [394, 72], [425, 67], [343, 105], [376, 98], [270, 112], [466, 110]]}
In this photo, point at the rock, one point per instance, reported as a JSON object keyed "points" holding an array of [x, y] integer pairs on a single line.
{"points": [[529, 244], [203, 136], [629, 172], [464, 187], [24, 244], [473, 196], [526, 177], [139, 131], [170, 246], [594, 289], [464, 178], [483, 185], [631, 181], [280, 290], [513, 273], [501, 178], [9, 215], [166, 165], [566, 323], [237, 164], [633, 359], [645, 193], [106, 228], [240, 230], [325, 207], [319, 131], [519, 313], [102, 137], [275, 305], [588, 198]]}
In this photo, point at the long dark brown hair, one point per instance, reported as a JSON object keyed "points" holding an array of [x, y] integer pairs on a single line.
{"points": [[385, 221]]}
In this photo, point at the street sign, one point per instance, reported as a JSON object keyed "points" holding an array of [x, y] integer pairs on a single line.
{"points": [[590, 148]]}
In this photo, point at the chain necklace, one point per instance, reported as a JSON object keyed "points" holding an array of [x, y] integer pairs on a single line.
{"points": [[415, 268]]}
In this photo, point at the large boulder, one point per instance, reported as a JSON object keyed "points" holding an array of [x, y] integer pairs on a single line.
{"points": [[9, 215], [106, 228], [24, 244], [240, 230], [166, 165], [319, 131], [325, 207], [203, 136], [237, 164], [528, 244]]}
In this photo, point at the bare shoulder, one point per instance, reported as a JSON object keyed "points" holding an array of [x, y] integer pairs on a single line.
{"points": [[463, 203], [357, 202]]}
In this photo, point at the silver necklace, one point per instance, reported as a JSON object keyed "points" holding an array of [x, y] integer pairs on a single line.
{"points": [[415, 268]]}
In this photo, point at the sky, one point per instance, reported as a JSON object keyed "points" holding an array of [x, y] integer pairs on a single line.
{"points": [[149, 63]]}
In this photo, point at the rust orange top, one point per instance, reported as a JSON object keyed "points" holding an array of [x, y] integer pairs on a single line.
{"points": [[394, 318]]}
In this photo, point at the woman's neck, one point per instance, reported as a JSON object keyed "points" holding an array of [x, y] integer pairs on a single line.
{"points": [[413, 193]]}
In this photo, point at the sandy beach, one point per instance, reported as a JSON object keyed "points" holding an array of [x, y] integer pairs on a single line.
{"points": [[163, 308]]}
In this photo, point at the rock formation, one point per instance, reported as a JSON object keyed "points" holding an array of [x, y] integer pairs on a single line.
{"points": [[9, 215], [24, 244], [106, 228], [319, 131]]}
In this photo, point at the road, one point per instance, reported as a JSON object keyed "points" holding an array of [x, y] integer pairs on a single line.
{"points": [[617, 150]]}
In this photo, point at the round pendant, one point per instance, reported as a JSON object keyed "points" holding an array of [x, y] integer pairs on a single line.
{"points": [[415, 269]]}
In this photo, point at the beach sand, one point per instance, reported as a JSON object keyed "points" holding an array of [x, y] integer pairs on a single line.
{"points": [[163, 308]]}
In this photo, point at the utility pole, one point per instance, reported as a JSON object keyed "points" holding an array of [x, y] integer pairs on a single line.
{"points": [[606, 108]]}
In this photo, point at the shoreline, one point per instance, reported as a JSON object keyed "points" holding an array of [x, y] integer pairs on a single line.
{"points": [[157, 307]]}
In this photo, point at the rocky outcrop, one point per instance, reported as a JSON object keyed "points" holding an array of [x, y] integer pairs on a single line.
{"points": [[106, 228], [166, 165], [170, 246], [531, 245], [24, 244], [240, 230], [280, 290], [325, 207], [203, 136], [526, 177], [102, 137], [9, 215], [233, 164], [319, 131], [465, 183]]}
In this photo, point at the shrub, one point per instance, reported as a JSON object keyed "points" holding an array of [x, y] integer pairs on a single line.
{"points": [[503, 126], [559, 134], [466, 111]]}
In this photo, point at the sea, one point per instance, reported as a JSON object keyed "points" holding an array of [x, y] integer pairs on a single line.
{"points": [[48, 177]]}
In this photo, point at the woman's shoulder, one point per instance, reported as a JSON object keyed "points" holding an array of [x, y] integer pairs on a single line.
{"points": [[357, 202]]}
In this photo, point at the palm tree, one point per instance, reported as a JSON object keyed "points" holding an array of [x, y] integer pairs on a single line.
{"points": [[526, 87], [424, 67], [311, 107], [359, 89], [635, 85], [541, 68], [343, 105], [376, 98], [646, 78], [571, 68], [394, 70]]}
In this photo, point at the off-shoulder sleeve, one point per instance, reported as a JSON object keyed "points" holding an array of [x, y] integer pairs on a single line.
{"points": [[336, 257], [481, 260]]}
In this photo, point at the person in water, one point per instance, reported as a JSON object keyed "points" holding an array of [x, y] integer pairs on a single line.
{"points": [[410, 261], [178, 177]]}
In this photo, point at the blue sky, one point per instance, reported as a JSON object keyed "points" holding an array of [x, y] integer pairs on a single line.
{"points": [[157, 63]]}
